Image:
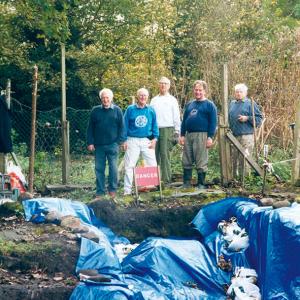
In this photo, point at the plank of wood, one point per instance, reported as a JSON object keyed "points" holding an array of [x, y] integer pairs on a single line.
{"points": [[68, 187], [248, 158]]}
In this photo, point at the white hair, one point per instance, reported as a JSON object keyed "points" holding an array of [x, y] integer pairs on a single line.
{"points": [[108, 92], [142, 90], [164, 80], [241, 87]]}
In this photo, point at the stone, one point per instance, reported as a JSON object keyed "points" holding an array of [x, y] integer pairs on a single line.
{"points": [[266, 201], [283, 203]]}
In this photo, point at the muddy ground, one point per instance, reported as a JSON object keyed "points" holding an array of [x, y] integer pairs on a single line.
{"points": [[37, 261]]}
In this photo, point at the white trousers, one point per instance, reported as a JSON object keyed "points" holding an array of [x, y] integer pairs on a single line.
{"points": [[136, 146]]}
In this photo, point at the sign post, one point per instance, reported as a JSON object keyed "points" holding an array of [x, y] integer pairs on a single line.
{"points": [[146, 177]]}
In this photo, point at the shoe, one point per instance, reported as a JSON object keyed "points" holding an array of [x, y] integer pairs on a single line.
{"points": [[112, 195], [201, 180], [98, 198], [186, 185], [187, 176]]}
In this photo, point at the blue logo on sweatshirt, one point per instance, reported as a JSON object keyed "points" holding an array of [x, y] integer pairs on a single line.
{"points": [[141, 121]]}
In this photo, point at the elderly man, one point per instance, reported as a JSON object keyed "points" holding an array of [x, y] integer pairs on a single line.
{"points": [[105, 133], [242, 126], [198, 128], [141, 134], [168, 120]]}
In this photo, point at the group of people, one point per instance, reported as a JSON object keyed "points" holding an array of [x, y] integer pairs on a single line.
{"points": [[151, 130]]}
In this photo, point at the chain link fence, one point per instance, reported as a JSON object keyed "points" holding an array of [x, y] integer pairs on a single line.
{"points": [[48, 145]]}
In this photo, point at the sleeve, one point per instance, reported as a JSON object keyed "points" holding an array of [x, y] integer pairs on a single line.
{"points": [[212, 122], [257, 114], [121, 125], [155, 130], [126, 122], [90, 130], [183, 128], [176, 115]]}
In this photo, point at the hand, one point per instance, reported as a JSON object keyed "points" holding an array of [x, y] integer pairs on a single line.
{"points": [[124, 146], [209, 143], [181, 140], [176, 138], [242, 118], [91, 147], [152, 144]]}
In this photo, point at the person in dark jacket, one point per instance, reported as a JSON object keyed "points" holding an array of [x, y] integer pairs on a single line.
{"points": [[5, 127], [241, 123], [104, 135], [198, 128]]}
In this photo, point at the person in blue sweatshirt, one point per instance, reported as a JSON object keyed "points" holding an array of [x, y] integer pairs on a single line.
{"points": [[241, 123], [198, 128], [104, 135], [141, 134]]}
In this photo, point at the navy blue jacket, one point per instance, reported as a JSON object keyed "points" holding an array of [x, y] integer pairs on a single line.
{"points": [[106, 126], [200, 116], [243, 107]]}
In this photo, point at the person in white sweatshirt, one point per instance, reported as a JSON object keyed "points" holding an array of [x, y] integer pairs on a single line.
{"points": [[168, 119]]}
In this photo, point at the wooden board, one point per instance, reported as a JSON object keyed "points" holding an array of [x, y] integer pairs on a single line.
{"points": [[248, 158]]}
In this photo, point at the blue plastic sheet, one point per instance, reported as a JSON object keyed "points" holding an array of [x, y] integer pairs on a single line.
{"points": [[39, 207], [187, 269], [274, 242]]}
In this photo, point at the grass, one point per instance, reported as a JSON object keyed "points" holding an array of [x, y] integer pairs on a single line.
{"points": [[48, 169]]}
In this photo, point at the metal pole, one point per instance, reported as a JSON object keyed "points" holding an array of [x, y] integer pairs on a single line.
{"points": [[65, 125], [33, 126]]}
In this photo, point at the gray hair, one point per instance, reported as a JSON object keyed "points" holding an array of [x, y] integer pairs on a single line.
{"points": [[241, 87], [142, 90], [164, 79], [202, 83], [108, 92]]}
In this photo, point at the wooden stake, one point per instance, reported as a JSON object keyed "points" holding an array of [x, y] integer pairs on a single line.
{"points": [[64, 122], [254, 129], [296, 163], [33, 130]]}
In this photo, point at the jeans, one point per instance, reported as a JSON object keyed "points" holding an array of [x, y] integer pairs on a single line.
{"points": [[111, 154]]}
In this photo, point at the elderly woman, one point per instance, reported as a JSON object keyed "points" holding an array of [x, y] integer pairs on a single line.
{"points": [[141, 133], [242, 126]]}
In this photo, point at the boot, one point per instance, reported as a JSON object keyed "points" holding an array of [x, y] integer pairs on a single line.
{"points": [[201, 180], [187, 176]]}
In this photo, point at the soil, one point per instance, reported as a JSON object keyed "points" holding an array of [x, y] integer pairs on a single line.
{"points": [[37, 261]]}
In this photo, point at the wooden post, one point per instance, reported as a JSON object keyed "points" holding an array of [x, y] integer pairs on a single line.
{"points": [[64, 123], [296, 162], [33, 125], [254, 130], [7, 93], [224, 145]]}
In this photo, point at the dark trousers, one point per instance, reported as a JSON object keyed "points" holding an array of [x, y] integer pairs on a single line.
{"points": [[109, 153]]}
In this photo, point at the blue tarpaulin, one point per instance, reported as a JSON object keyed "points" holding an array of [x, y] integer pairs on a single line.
{"points": [[162, 268]]}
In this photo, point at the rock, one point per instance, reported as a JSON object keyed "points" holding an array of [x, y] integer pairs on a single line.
{"points": [[70, 222], [283, 203], [53, 216], [266, 201], [91, 236]]}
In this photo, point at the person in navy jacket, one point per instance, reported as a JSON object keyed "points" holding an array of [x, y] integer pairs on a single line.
{"points": [[241, 123], [104, 135], [198, 128]]}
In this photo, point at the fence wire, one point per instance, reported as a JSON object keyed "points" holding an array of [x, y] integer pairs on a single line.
{"points": [[48, 144]]}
